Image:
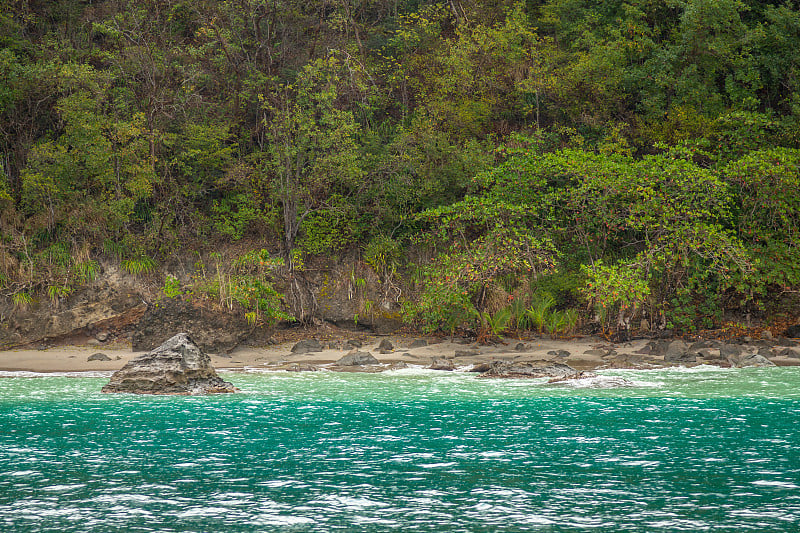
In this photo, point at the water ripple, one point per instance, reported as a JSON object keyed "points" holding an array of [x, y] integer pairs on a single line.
{"points": [[418, 451]]}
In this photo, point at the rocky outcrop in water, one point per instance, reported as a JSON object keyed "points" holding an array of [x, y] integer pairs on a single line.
{"points": [[744, 360], [439, 363], [176, 367], [505, 369]]}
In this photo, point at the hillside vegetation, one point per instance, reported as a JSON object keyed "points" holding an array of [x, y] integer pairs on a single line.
{"points": [[533, 165]]}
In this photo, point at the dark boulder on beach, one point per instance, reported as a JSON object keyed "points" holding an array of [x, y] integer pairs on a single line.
{"points": [[481, 367], [357, 358], [385, 346], [352, 344], [704, 344], [788, 352], [634, 361], [178, 366], [656, 347], [793, 331], [727, 351], [99, 356], [307, 346], [678, 352], [783, 341]]}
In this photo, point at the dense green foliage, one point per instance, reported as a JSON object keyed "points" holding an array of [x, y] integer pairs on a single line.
{"points": [[627, 159]]}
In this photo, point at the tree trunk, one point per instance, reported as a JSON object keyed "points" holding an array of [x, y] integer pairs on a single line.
{"points": [[300, 297]]}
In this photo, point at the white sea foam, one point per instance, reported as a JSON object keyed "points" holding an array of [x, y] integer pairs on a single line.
{"points": [[281, 520], [82, 374], [604, 382], [436, 465], [681, 369], [775, 484], [348, 502]]}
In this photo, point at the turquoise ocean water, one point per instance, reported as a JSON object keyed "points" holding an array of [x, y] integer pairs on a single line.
{"points": [[679, 450]]}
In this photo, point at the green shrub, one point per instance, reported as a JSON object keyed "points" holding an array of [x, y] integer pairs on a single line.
{"points": [[327, 231], [440, 307], [383, 254], [243, 283], [172, 287], [614, 289], [497, 323], [233, 215]]}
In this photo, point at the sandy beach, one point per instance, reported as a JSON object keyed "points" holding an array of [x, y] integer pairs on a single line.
{"points": [[584, 353], [76, 358]]}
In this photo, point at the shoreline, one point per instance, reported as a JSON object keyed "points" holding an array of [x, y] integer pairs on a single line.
{"points": [[586, 353]]}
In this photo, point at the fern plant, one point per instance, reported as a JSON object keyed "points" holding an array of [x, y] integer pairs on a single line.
{"points": [[56, 292], [570, 320], [496, 324], [519, 317], [114, 248], [555, 321], [21, 299], [139, 265], [383, 255], [86, 271], [500, 321], [539, 309]]}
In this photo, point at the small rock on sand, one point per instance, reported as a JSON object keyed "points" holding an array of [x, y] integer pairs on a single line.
{"points": [[385, 346]]}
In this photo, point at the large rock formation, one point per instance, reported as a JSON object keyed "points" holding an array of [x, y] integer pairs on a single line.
{"points": [[176, 367]]}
